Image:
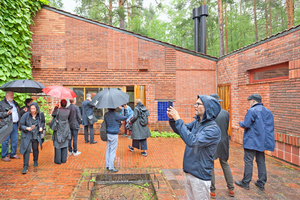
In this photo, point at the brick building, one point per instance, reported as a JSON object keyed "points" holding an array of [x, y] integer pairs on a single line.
{"points": [[88, 56]]}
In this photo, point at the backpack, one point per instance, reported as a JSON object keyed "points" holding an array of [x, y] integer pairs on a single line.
{"points": [[143, 117]]}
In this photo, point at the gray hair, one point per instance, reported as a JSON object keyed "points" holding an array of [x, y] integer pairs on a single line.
{"points": [[8, 92], [88, 95]]}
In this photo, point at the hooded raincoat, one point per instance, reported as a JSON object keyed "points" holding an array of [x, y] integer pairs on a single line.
{"points": [[62, 136], [25, 122], [201, 139], [258, 129], [139, 132]]}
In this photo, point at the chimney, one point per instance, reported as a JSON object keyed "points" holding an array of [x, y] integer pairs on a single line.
{"points": [[199, 17]]}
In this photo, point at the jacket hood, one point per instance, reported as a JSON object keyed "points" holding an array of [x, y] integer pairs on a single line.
{"points": [[36, 105], [141, 106], [212, 107]]}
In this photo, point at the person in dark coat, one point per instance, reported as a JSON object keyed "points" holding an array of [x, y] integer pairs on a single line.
{"points": [[201, 138], [112, 120], [32, 124], [25, 108], [10, 113], [62, 136], [87, 110], [75, 121], [139, 133], [222, 151], [258, 128]]}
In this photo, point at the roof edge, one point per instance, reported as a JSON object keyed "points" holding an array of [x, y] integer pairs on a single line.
{"points": [[181, 49]]}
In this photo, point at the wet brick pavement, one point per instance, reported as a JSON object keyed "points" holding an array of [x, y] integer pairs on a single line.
{"points": [[165, 156]]}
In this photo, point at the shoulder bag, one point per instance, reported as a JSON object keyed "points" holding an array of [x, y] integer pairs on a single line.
{"points": [[103, 134], [91, 119], [54, 123]]}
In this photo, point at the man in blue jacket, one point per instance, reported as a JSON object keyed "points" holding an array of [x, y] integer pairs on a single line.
{"points": [[201, 138], [258, 136], [87, 110]]}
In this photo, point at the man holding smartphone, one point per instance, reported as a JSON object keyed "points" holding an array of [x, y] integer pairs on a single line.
{"points": [[10, 113]]}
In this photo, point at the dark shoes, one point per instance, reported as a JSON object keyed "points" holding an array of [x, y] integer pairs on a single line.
{"points": [[130, 148], [87, 141], [114, 170], [93, 142], [25, 170], [241, 184], [107, 168], [35, 164], [262, 188], [144, 153], [6, 159]]}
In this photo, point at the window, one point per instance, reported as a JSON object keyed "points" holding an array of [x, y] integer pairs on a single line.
{"points": [[270, 73], [162, 111], [82, 91]]}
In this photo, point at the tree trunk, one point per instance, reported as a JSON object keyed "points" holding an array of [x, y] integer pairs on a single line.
{"points": [[128, 14], [270, 13], [290, 13], [121, 14], [226, 31], [221, 35], [255, 21], [266, 16], [110, 12]]}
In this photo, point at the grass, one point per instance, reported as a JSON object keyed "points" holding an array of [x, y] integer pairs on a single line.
{"points": [[165, 134]]}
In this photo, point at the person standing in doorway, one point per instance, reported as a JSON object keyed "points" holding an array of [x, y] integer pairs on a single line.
{"points": [[130, 113], [87, 110], [258, 128], [75, 121], [222, 151], [10, 113]]}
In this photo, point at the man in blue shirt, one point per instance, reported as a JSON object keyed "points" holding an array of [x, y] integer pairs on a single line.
{"points": [[10, 113], [258, 128]]}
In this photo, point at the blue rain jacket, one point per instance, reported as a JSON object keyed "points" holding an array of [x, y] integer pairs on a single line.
{"points": [[201, 139], [258, 129]]}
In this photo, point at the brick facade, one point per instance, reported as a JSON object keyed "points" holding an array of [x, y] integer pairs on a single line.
{"points": [[73, 52]]}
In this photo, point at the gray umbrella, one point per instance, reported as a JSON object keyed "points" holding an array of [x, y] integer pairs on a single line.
{"points": [[110, 98], [23, 86]]}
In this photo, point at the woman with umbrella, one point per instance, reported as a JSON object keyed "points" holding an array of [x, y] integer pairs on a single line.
{"points": [[62, 135], [32, 124]]}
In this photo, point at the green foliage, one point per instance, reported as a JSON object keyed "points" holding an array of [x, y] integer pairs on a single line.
{"points": [[164, 134], [46, 109], [56, 3], [15, 39]]}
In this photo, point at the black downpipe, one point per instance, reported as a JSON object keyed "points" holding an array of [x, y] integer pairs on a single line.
{"points": [[199, 16]]}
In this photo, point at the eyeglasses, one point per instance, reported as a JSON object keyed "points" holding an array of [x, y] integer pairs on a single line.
{"points": [[198, 104]]}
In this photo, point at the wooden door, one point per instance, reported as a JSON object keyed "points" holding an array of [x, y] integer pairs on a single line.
{"points": [[139, 93], [224, 94]]}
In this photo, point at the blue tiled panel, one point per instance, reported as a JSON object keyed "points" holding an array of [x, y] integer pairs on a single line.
{"points": [[162, 111]]}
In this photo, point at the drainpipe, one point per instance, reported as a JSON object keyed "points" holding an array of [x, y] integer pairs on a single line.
{"points": [[199, 17]]}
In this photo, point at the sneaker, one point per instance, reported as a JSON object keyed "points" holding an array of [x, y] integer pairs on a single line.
{"points": [[144, 153], [15, 157], [35, 164], [25, 170], [129, 137], [70, 153], [77, 153], [212, 195], [93, 142], [260, 187], [130, 148], [124, 135], [107, 168], [241, 184], [114, 170], [231, 193], [6, 159]]}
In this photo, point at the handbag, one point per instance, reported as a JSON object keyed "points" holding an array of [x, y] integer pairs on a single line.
{"points": [[54, 123], [43, 133], [103, 134], [91, 119]]}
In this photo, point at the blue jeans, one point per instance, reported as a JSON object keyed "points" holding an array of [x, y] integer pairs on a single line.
{"points": [[14, 137], [74, 134], [86, 133]]}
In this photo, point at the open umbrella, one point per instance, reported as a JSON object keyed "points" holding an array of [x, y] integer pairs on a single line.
{"points": [[59, 92], [23, 86], [110, 98]]}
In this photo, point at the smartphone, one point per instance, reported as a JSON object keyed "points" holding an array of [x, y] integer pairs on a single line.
{"points": [[169, 104], [32, 126]]}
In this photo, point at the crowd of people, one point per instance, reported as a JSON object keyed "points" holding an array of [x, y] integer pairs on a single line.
{"points": [[206, 137]]}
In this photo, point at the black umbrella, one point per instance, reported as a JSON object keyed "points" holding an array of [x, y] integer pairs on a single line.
{"points": [[23, 86], [110, 98]]}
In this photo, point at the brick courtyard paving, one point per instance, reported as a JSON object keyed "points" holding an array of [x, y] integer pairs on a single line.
{"points": [[165, 155]]}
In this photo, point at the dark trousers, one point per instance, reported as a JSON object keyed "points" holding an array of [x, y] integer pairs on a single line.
{"points": [[14, 137], [74, 135], [261, 166], [227, 174], [60, 155], [35, 146], [140, 144], [86, 133]]}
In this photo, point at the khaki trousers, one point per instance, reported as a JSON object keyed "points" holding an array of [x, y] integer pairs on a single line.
{"points": [[196, 189]]}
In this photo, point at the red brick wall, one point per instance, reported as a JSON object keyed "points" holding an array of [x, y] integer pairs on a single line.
{"points": [[77, 53], [281, 97]]}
